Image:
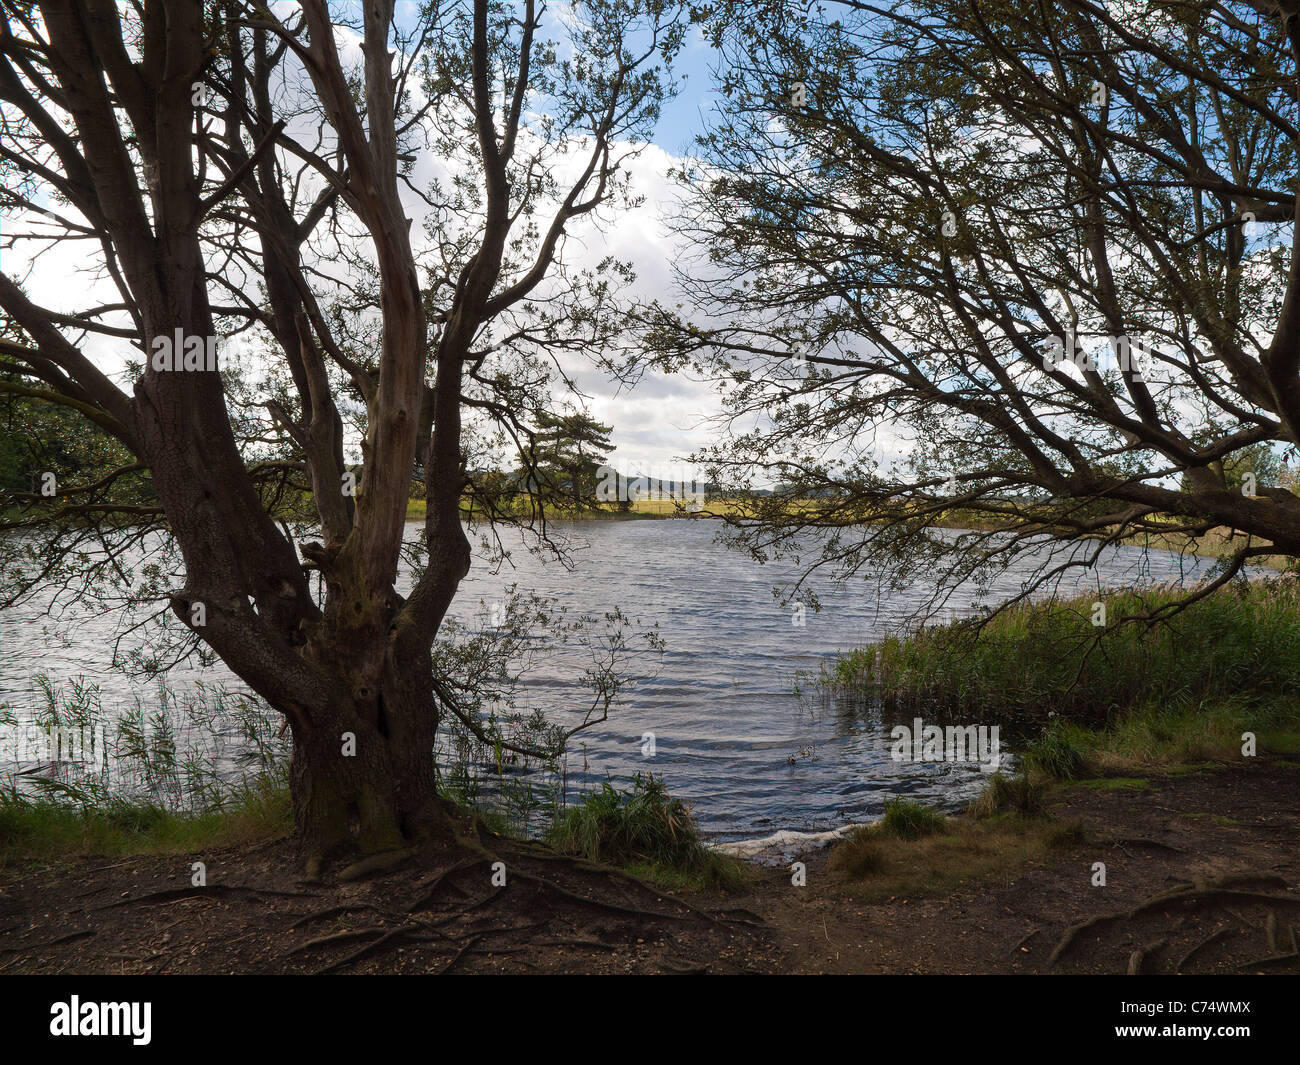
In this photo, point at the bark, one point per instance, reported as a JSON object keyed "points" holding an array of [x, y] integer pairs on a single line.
{"points": [[382, 796]]}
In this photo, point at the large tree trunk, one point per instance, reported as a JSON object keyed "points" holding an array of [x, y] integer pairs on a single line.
{"points": [[358, 790], [362, 774]]}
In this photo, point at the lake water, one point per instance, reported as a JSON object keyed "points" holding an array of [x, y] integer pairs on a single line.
{"points": [[731, 735]]}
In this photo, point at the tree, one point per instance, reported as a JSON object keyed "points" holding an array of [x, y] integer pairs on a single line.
{"points": [[44, 446], [1045, 254], [240, 183], [570, 451]]}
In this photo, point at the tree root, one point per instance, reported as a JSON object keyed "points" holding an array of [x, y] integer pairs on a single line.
{"points": [[339, 937], [1142, 841], [1271, 959], [435, 885], [1194, 891], [608, 907], [1139, 956], [1024, 939], [410, 933], [219, 891], [459, 926], [402, 930], [461, 953], [331, 911], [69, 938], [685, 969], [542, 852], [377, 863], [738, 914], [1211, 938]]}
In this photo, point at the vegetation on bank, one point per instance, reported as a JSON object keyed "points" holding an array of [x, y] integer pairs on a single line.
{"points": [[1052, 660], [147, 799], [641, 829], [914, 850], [645, 830], [39, 827], [639, 510], [1212, 544], [1115, 708], [1110, 703]]}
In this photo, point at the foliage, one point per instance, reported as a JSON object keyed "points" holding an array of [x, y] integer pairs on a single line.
{"points": [[1036, 660], [641, 825]]}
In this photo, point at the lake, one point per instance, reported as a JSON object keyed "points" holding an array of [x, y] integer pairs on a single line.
{"points": [[731, 736]]}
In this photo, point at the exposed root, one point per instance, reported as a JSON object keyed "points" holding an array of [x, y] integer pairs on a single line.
{"points": [[608, 907], [1024, 939], [1198, 891], [737, 914], [1072, 933], [339, 937], [742, 916], [69, 938], [331, 911], [1270, 960], [361, 952], [1139, 956], [685, 969], [446, 913], [1213, 937], [460, 953], [435, 885], [377, 863], [219, 891], [1270, 932], [1153, 844]]}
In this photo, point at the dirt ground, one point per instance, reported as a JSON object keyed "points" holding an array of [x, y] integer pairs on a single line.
{"points": [[1202, 875]]}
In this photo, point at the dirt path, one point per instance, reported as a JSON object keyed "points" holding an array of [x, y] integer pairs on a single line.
{"points": [[1225, 844]]}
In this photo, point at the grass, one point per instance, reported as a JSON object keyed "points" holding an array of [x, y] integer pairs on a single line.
{"points": [[45, 827], [646, 831], [1238, 649], [905, 819], [1020, 794], [915, 851], [1114, 700], [1170, 740], [150, 798], [642, 830], [1115, 784]]}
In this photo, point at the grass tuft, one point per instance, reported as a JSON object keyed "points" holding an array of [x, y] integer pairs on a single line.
{"points": [[905, 819], [645, 830], [1020, 794]]}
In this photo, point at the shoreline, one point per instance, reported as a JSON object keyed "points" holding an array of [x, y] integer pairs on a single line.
{"points": [[1225, 829], [781, 848]]}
